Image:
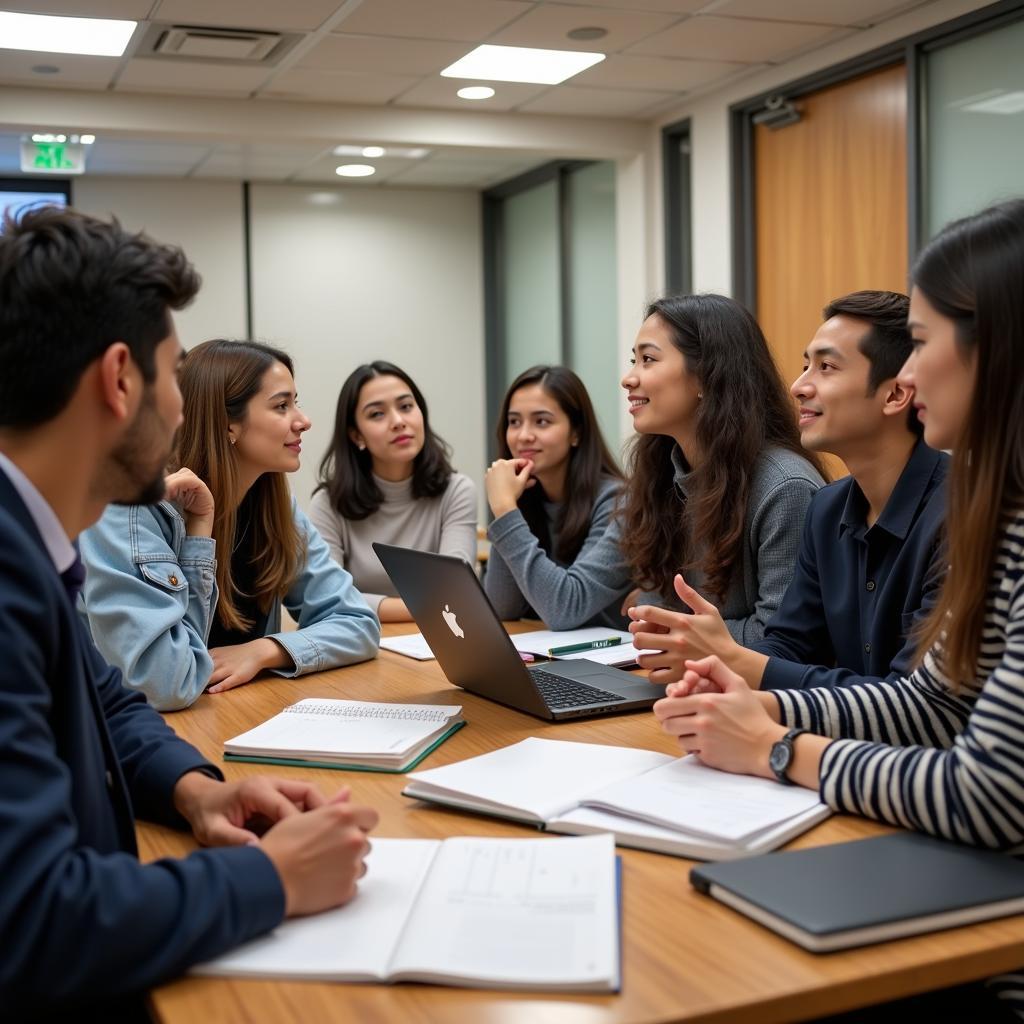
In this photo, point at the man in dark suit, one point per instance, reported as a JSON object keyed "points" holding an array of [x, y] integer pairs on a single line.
{"points": [[89, 403]]}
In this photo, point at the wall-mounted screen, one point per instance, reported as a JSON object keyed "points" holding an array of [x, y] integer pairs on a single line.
{"points": [[20, 194]]}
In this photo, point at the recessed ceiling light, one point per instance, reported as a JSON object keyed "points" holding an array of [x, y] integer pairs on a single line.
{"points": [[86, 140], [475, 92], [355, 170], [96, 37], [403, 152], [587, 32], [521, 64]]}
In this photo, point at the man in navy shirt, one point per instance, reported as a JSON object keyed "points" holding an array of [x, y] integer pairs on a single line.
{"points": [[870, 562], [89, 403]]}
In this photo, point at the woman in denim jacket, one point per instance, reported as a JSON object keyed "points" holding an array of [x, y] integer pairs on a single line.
{"points": [[175, 618]]}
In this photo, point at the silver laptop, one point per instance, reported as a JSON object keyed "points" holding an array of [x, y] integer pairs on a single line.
{"points": [[474, 651]]}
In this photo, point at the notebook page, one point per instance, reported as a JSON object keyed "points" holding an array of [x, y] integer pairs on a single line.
{"points": [[688, 796], [540, 777], [352, 942], [527, 912], [644, 836], [413, 645], [339, 727], [541, 641]]}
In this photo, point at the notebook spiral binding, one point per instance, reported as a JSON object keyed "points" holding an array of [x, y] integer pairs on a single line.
{"points": [[376, 711]]}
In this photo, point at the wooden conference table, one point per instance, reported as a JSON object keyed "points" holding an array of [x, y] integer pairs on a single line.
{"points": [[685, 957]]}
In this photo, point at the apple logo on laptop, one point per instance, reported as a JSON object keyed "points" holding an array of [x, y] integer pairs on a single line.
{"points": [[452, 623]]}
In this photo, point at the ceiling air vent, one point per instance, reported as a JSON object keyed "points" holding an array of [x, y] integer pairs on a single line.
{"points": [[215, 45]]}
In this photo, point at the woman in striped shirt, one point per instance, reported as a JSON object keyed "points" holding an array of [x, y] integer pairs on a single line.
{"points": [[941, 751]]}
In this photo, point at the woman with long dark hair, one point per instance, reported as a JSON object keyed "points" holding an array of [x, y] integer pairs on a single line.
{"points": [[387, 477], [720, 484], [186, 595], [554, 550], [941, 751]]}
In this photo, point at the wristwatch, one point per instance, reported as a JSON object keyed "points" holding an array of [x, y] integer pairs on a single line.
{"points": [[781, 756]]}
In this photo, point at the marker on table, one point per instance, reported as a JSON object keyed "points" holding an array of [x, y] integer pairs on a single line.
{"points": [[589, 645]]}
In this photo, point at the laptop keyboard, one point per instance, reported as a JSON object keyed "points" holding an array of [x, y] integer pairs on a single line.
{"points": [[560, 693]]}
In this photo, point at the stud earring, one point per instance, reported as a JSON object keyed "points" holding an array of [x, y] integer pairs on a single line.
{"points": [[362, 447], [232, 441], [700, 395]]}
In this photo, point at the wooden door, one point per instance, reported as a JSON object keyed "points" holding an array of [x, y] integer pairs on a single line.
{"points": [[831, 207]]}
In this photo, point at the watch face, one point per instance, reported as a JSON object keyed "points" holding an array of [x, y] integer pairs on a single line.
{"points": [[778, 759]]}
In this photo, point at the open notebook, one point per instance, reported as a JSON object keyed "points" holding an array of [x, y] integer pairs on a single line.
{"points": [[531, 914], [352, 734], [540, 642], [648, 800]]}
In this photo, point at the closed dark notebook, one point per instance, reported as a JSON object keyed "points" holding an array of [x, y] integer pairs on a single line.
{"points": [[852, 894]]}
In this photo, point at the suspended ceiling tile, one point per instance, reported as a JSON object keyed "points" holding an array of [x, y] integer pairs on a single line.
{"points": [[293, 16], [130, 10], [74, 70], [548, 25], [441, 92], [128, 157], [828, 12], [462, 173], [146, 75], [380, 55], [337, 86], [672, 6], [237, 166], [573, 100], [620, 71], [322, 170], [707, 37], [467, 20]]}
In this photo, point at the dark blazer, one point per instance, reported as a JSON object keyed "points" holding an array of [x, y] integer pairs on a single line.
{"points": [[81, 919]]}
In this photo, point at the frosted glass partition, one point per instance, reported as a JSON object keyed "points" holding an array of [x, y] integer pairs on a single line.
{"points": [[592, 290], [533, 308], [975, 124]]}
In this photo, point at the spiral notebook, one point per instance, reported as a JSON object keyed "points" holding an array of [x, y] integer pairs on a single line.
{"points": [[348, 734]]}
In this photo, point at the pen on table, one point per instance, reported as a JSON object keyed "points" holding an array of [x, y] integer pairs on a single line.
{"points": [[589, 645]]}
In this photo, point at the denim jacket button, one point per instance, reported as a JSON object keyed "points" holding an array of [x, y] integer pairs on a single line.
{"points": [[173, 580]]}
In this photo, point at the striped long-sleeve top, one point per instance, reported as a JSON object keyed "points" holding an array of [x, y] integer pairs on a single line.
{"points": [[924, 755]]}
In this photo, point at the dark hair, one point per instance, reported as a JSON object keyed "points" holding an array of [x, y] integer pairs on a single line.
{"points": [[218, 380], [972, 273], [590, 461], [345, 471], [70, 287], [744, 409], [887, 343]]}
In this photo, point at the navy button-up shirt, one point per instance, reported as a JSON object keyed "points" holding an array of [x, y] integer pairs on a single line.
{"points": [[858, 592]]}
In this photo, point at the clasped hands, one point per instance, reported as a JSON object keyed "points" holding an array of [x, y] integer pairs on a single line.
{"points": [[317, 844]]}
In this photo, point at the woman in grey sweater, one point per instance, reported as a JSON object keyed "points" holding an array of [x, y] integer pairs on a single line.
{"points": [[386, 477], [720, 483], [554, 547]]}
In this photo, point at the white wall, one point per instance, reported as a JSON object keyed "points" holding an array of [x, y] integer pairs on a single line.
{"points": [[345, 276], [205, 219], [709, 125]]}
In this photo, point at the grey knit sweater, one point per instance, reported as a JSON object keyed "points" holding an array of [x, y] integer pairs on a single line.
{"points": [[781, 489], [522, 579]]}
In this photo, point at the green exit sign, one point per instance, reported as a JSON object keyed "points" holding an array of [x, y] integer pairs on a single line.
{"points": [[52, 157]]}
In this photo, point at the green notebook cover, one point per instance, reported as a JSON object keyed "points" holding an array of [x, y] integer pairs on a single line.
{"points": [[298, 763]]}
